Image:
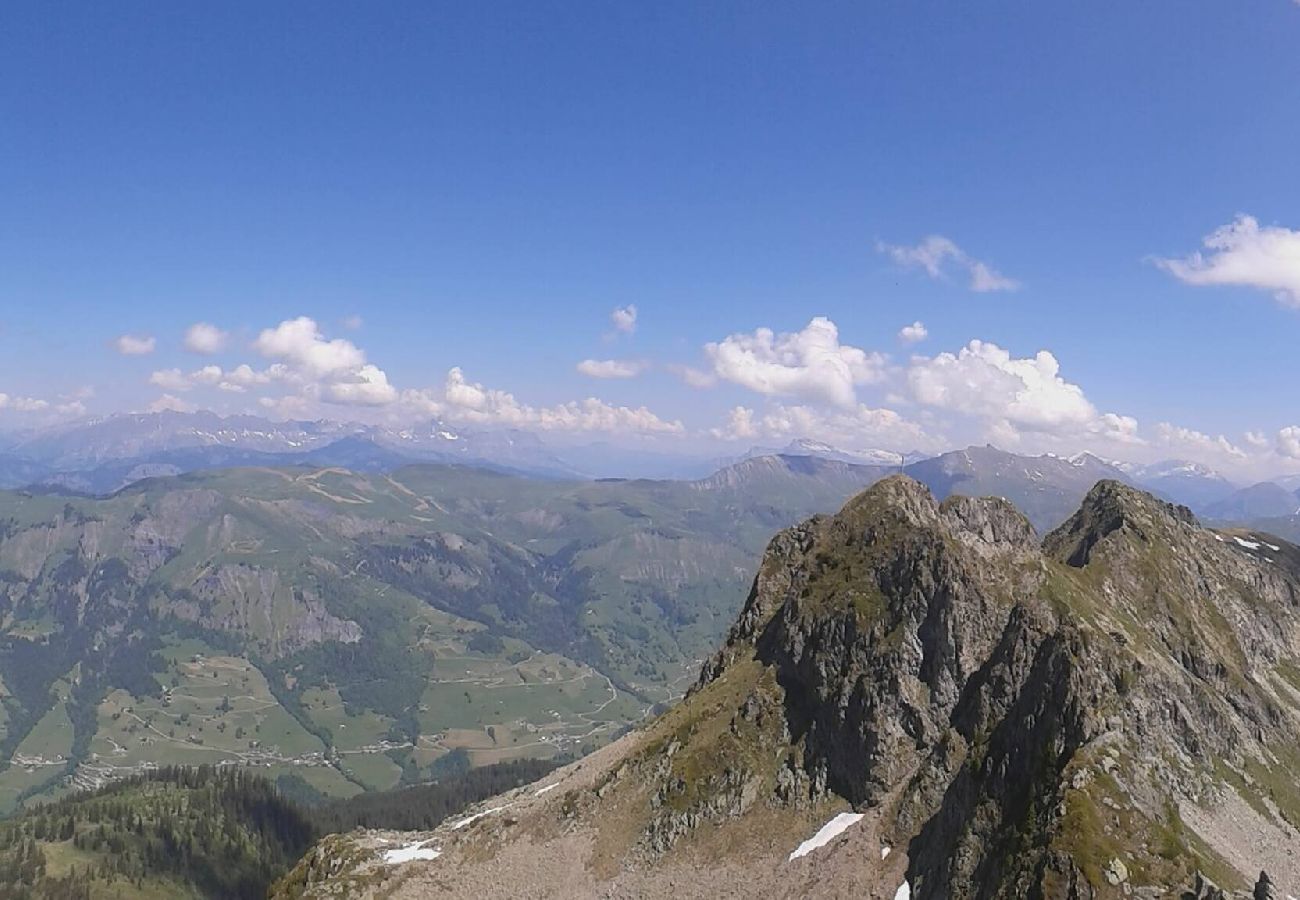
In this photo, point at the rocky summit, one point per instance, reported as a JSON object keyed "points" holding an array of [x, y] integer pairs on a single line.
{"points": [[924, 700]]}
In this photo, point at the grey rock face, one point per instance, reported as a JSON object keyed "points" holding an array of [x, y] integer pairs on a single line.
{"points": [[998, 691]]}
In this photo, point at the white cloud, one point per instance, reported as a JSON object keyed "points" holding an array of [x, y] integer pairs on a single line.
{"points": [[860, 427], [914, 333], [740, 425], [171, 380], [937, 254], [22, 404], [353, 323], [1288, 442], [368, 386], [244, 375], [205, 339], [65, 407], [334, 370], [1120, 429], [208, 375], [810, 365], [1242, 253], [300, 343], [696, 378], [236, 380], [134, 344], [611, 368], [169, 403], [1197, 442], [983, 379], [984, 280], [470, 401], [624, 319]]}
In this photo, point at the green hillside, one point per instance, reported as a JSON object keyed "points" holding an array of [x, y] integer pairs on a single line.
{"points": [[175, 833], [360, 632], [206, 833]]}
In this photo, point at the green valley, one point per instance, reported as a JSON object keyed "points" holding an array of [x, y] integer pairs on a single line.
{"points": [[343, 632]]}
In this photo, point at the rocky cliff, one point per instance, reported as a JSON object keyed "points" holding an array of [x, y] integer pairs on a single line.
{"points": [[923, 700]]}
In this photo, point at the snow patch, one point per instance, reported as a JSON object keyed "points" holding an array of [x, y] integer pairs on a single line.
{"points": [[457, 826], [1249, 545], [904, 892], [411, 852], [884, 852], [828, 832], [1274, 547], [549, 787], [1219, 538]]}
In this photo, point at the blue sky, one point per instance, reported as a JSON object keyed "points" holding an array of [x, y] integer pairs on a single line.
{"points": [[484, 184]]}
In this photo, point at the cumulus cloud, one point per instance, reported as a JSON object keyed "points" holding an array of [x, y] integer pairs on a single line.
{"points": [[1014, 395], [335, 370], [236, 380], [470, 401], [740, 425], [984, 379], [810, 365], [938, 256], [300, 343], [1113, 427], [171, 380], [1242, 253], [1288, 442], [246, 376], [1195, 442], [861, 426], [623, 318], [914, 333], [611, 368], [134, 344], [205, 339], [170, 403], [208, 375], [22, 404], [368, 386]]}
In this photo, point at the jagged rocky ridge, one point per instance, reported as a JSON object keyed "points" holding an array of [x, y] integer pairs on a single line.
{"points": [[1112, 712]]}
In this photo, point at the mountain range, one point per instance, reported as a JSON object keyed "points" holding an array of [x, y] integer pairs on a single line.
{"points": [[99, 456], [358, 629], [102, 455], [924, 700]]}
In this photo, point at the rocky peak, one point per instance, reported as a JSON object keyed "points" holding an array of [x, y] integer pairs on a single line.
{"points": [[934, 658], [1113, 506]]}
